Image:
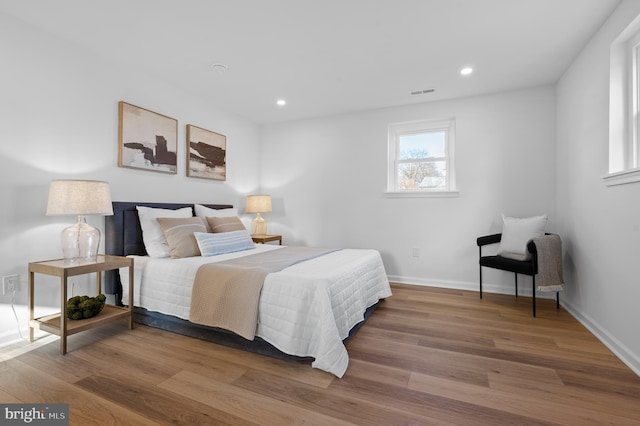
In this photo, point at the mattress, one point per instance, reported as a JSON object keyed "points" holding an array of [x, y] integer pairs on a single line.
{"points": [[305, 310]]}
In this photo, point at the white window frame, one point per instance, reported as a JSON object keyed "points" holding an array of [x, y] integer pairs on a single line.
{"points": [[635, 99], [624, 107], [396, 130]]}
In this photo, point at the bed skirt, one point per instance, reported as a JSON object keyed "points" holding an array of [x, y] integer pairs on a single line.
{"points": [[226, 337]]}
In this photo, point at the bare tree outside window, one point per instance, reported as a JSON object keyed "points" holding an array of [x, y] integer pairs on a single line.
{"points": [[420, 156], [412, 174]]}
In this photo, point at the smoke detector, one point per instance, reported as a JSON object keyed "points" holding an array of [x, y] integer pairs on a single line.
{"points": [[219, 68]]}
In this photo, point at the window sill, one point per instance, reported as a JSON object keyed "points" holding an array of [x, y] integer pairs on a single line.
{"points": [[623, 177], [422, 194]]}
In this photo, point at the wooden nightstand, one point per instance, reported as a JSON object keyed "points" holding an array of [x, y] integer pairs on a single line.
{"points": [[59, 324], [264, 238]]}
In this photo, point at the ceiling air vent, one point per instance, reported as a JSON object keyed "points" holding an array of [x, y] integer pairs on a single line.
{"points": [[422, 92]]}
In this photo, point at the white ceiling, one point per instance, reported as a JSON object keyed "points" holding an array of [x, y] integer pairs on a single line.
{"points": [[327, 56]]}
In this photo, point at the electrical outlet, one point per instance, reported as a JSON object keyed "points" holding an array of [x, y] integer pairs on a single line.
{"points": [[415, 252], [10, 283]]}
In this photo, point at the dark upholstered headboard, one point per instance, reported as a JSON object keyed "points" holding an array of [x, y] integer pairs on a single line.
{"points": [[123, 235]]}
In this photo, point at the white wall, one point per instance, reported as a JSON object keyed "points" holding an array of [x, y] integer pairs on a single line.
{"points": [[327, 177], [600, 225], [59, 119]]}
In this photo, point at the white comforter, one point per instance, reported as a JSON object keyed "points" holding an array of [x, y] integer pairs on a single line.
{"points": [[305, 310]]}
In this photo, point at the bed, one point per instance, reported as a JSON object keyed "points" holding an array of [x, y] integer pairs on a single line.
{"points": [[307, 311]]}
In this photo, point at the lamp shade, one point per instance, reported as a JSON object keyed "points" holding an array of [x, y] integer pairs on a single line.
{"points": [[79, 197], [258, 204]]}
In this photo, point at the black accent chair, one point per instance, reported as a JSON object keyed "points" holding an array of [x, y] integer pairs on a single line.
{"points": [[524, 267]]}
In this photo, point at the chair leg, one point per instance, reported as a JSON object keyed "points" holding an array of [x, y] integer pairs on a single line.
{"points": [[533, 280], [516, 274], [480, 267], [557, 300]]}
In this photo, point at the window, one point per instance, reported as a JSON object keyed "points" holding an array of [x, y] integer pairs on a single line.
{"points": [[624, 107], [421, 158], [635, 117], [631, 50]]}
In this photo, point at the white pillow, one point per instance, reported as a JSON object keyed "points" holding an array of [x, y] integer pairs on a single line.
{"points": [[205, 212], [223, 242], [152, 235], [516, 233]]}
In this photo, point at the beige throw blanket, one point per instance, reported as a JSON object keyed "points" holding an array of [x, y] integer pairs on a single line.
{"points": [[226, 294], [549, 276]]}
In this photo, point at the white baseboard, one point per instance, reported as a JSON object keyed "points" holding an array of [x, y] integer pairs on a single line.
{"points": [[523, 289], [13, 336], [14, 321], [618, 348]]}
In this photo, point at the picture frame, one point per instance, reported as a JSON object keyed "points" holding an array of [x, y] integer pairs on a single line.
{"points": [[147, 140], [206, 154]]}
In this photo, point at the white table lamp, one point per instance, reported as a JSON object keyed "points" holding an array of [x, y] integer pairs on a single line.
{"points": [[79, 197], [258, 204]]}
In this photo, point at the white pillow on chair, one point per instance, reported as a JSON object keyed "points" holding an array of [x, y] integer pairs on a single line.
{"points": [[517, 232]]}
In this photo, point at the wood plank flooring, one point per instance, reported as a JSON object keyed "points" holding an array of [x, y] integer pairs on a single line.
{"points": [[427, 356]]}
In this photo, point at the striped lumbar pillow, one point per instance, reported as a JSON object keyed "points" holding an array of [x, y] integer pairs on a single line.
{"points": [[223, 242]]}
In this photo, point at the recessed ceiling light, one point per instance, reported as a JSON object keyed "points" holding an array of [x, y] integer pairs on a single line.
{"points": [[466, 71], [281, 102]]}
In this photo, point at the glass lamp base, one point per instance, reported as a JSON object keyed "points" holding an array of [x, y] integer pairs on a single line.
{"points": [[259, 226], [80, 241]]}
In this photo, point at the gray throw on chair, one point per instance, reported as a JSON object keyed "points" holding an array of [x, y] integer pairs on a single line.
{"points": [[549, 262]]}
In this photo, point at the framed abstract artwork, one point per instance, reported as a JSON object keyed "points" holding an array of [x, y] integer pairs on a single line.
{"points": [[206, 154], [147, 140]]}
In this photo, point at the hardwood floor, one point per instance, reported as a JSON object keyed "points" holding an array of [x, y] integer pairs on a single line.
{"points": [[426, 356]]}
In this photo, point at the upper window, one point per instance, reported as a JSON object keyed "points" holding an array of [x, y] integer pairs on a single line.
{"points": [[624, 107], [421, 157]]}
